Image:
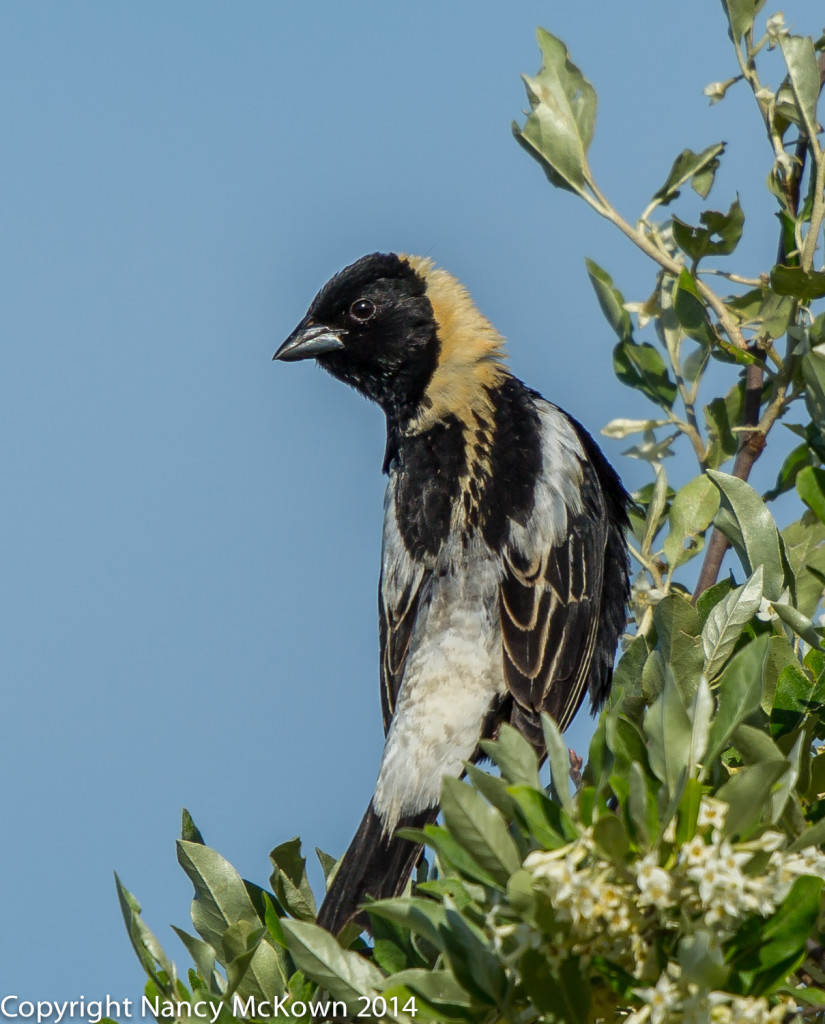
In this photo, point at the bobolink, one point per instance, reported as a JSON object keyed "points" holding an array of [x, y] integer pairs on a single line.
{"points": [[504, 571]]}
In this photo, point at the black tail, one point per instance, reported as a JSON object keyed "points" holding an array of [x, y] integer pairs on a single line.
{"points": [[374, 865]]}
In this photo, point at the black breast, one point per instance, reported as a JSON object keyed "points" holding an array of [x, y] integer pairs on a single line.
{"points": [[432, 470], [514, 459], [428, 470]]}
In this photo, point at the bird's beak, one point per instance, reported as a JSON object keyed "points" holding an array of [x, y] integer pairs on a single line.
{"points": [[306, 342]]}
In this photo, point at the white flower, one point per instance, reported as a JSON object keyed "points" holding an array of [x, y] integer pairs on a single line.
{"points": [[712, 813], [655, 884], [695, 852], [664, 997]]}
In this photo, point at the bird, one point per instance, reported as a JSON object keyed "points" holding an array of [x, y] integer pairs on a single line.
{"points": [[504, 564]]}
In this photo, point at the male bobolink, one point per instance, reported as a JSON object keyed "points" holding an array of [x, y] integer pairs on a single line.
{"points": [[504, 572]]}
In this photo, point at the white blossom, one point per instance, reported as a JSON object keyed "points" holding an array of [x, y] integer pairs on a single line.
{"points": [[661, 999], [655, 884], [712, 813]]}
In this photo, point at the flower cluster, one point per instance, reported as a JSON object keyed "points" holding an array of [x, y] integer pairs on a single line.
{"points": [[666, 1002], [637, 915]]}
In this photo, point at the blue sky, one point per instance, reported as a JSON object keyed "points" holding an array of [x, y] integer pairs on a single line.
{"points": [[190, 532]]}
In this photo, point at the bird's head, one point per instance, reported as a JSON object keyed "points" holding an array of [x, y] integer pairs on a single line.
{"points": [[401, 331]]}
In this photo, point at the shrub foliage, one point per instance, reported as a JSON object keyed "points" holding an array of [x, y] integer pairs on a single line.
{"points": [[678, 876]]}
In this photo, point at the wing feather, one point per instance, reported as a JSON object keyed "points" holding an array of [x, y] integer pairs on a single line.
{"points": [[396, 622], [550, 615]]}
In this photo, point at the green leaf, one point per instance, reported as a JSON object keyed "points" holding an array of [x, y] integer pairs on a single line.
{"points": [[561, 995], [149, 951], [641, 367], [726, 622], [803, 72], [221, 901], [668, 733], [747, 793], [740, 14], [740, 694], [452, 854], [754, 745], [655, 508], [543, 817], [685, 166], [480, 829], [678, 650], [688, 812], [796, 460], [718, 236], [642, 811], [344, 974], [188, 829], [691, 311], [240, 945], [810, 485], [700, 712], [289, 880], [803, 285], [203, 956], [611, 839], [558, 757], [797, 696], [749, 526], [221, 898], [776, 312], [492, 788], [611, 301], [437, 994], [559, 128], [422, 917], [813, 370], [813, 836], [473, 964], [712, 596], [514, 756], [627, 678], [327, 862], [721, 416], [691, 512], [805, 545], [799, 623]]}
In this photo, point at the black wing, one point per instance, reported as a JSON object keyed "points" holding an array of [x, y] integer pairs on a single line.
{"points": [[562, 608]]}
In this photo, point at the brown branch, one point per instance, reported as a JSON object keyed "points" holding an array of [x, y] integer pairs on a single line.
{"points": [[753, 442]]}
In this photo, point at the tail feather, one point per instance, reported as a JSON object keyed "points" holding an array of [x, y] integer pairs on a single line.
{"points": [[375, 865]]}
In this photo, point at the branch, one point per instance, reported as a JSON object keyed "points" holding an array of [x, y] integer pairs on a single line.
{"points": [[753, 442]]}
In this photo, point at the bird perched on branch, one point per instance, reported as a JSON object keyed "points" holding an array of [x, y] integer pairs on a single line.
{"points": [[504, 571]]}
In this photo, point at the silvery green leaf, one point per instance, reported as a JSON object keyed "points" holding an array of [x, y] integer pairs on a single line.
{"points": [[559, 759], [726, 621], [800, 57], [559, 127], [700, 713], [746, 522]]}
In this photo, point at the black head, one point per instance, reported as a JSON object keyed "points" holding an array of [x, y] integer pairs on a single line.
{"points": [[372, 326]]}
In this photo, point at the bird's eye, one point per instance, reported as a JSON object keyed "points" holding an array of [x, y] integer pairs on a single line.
{"points": [[362, 310]]}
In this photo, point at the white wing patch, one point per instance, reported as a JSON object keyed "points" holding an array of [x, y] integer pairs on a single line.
{"points": [[558, 488]]}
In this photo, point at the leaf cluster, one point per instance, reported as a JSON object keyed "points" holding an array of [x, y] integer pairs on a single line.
{"points": [[680, 872]]}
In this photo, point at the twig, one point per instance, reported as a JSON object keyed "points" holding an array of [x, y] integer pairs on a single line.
{"points": [[753, 442]]}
